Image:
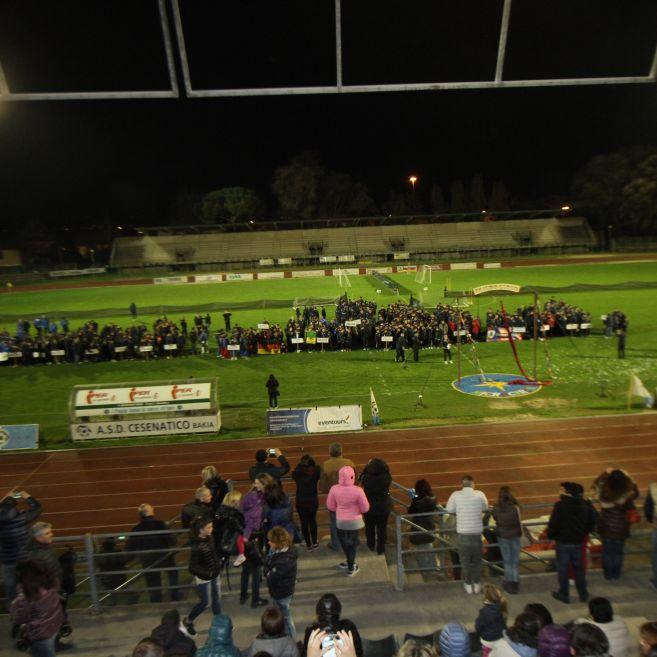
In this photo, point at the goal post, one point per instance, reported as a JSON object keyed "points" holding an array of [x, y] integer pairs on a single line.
{"points": [[423, 274], [343, 278]]}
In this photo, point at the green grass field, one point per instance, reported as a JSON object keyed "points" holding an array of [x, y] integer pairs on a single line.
{"points": [[590, 379]]}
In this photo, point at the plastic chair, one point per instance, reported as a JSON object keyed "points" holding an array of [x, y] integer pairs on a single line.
{"points": [[386, 647]]}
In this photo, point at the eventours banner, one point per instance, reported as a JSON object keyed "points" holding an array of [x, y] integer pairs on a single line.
{"points": [[154, 427], [19, 436], [322, 419], [142, 399]]}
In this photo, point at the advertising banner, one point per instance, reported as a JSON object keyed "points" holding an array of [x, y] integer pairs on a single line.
{"points": [[500, 334], [154, 427], [322, 419], [308, 273], [170, 280], [142, 399], [19, 436], [265, 275], [208, 278]]}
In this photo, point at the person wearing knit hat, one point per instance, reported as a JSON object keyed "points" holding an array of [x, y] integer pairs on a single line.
{"points": [[454, 641]]}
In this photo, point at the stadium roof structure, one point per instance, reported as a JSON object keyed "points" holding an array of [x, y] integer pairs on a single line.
{"points": [[175, 49]]}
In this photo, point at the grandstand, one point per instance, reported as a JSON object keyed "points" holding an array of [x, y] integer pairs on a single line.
{"points": [[421, 241]]}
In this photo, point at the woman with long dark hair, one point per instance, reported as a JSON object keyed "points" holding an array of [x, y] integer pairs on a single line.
{"points": [[423, 501], [509, 530], [278, 512], [375, 480], [37, 606], [306, 476]]}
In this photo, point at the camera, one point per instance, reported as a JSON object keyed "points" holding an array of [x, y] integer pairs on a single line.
{"points": [[328, 645], [271, 452], [412, 493]]}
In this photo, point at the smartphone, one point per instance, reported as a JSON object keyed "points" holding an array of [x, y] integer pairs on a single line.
{"points": [[411, 493], [16, 495], [328, 646], [271, 452]]}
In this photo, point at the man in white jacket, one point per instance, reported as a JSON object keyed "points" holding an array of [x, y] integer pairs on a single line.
{"points": [[615, 629], [469, 504]]}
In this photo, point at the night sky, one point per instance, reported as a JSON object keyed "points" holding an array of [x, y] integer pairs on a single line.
{"points": [[80, 161]]}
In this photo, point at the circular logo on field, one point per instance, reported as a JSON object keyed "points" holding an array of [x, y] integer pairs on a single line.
{"points": [[82, 430], [4, 437], [496, 386]]}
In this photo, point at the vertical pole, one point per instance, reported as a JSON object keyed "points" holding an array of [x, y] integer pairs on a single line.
{"points": [[400, 562], [535, 330], [458, 339], [91, 569]]}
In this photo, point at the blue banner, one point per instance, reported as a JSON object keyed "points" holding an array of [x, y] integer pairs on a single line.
{"points": [[19, 436], [287, 421]]}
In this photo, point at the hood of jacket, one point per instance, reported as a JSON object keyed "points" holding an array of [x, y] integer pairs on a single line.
{"points": [[522, 649], [346, 476], [220, 639], [454, 641]]}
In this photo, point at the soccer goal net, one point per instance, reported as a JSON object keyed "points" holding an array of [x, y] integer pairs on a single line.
{"points": [[423, 274], [343, 278]]}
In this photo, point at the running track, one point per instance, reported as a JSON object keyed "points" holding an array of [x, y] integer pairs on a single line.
{"points": [[99, 489]]}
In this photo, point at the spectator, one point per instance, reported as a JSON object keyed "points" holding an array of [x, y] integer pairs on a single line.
{"points": [[541, 612], [281, 573], [554, 641], [649, 509], [272, 390], [509, 530], [601, 615], [306, 476], [205, 565], [14, 534], [154, 562], [263, 466], [491, 621], [112, 559], [647, 637], [37, 607], [201, 505], [228, 529], [521, 639], [616, 492], [412, 648], [454, 641], [348, 502], [173, 641], [215, 484], [375, 480], [468, 504], [328, 477], [278, 512], [220, 639], [572, 519], [41, 550], [273, 639], [587, 640], [148, 647], [328, 610], [423, 501]]}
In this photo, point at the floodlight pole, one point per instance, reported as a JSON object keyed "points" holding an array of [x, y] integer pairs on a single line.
{"points": [[458, 338], [535, 330]]}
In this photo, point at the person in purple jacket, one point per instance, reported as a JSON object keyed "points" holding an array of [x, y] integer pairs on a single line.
{"points": [[348, 502]]}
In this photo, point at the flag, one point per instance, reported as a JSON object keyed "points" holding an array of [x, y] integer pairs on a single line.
{"points": [[375, 409], [637, 389]]}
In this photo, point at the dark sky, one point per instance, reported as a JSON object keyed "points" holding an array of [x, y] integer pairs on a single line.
{"points": [[74, 160]]}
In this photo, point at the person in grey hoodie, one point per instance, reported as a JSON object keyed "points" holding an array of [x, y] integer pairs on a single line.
{"points": [[273, 638]]}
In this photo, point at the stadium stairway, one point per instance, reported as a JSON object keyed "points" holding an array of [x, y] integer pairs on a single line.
{"points": [[368, 599]]}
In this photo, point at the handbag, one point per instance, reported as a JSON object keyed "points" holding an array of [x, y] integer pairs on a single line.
{"points": [[632, 516]]}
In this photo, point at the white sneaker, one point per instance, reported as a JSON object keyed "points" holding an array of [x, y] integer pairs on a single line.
{"points": [[468, 588], [240, 560], [477, 588]]}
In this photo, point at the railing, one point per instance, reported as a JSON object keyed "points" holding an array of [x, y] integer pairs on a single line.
{"points": [[443, 536]]}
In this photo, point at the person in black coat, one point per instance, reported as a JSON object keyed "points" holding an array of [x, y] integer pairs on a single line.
{"points": [[272, 389], [169, 635], [328, 610], [423, 501], [201, 505], [159, 560], [263, 466], [281, 573], [306, 476], [205, 565], [215, 484], [572, 519], [375, 480]]}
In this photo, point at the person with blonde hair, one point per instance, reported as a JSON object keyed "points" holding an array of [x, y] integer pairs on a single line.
{"points": [[215, 484], [413, 648], [229, 528], [491, 621], [281, 573]]}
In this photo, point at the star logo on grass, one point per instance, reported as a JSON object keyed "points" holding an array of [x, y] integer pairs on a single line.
{"points": [[498, 385]]}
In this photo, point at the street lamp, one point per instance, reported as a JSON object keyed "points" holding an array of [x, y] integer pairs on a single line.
{"points": [[413, 180]]}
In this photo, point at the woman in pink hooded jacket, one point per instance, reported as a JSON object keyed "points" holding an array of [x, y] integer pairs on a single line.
{"points": [[348, 502]]}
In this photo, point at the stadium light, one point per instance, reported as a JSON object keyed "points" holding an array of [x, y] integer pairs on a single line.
{"points": [[565, 208], [413, 180]]}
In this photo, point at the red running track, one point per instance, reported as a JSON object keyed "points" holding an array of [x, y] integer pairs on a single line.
{"points": [[99, 489]]}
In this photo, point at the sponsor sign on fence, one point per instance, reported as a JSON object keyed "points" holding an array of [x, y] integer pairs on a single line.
{"points": [[19, 436], [322, 419], [170, 280], [77, 272], [154, 427], [142, 399]]}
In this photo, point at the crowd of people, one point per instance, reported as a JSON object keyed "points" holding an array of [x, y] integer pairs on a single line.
{"points": [[257, 532], [357, 324]]}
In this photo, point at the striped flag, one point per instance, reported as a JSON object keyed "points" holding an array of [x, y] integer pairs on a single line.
{"points": [[375, 408]]}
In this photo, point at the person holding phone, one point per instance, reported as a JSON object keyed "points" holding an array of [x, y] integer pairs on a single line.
{"points": [[263, 466]]}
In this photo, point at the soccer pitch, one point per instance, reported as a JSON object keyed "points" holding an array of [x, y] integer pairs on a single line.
{"points": [[589, 377]]}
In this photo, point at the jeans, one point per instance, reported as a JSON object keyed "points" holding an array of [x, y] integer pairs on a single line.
{"points": [[253, 571], [349, 542], [376, 529], [570, 554], [510, 549], [612, 557], [308, 518], [469, 546], [335, 541], [43, 648], [9, 576], [425, 559], [284, 605], [207, 590]]}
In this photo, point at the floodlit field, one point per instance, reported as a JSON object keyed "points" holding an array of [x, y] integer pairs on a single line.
{"points": [[590, 379]]}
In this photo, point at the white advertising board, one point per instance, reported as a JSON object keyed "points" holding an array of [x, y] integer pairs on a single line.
{"points": [[155, 427]]}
